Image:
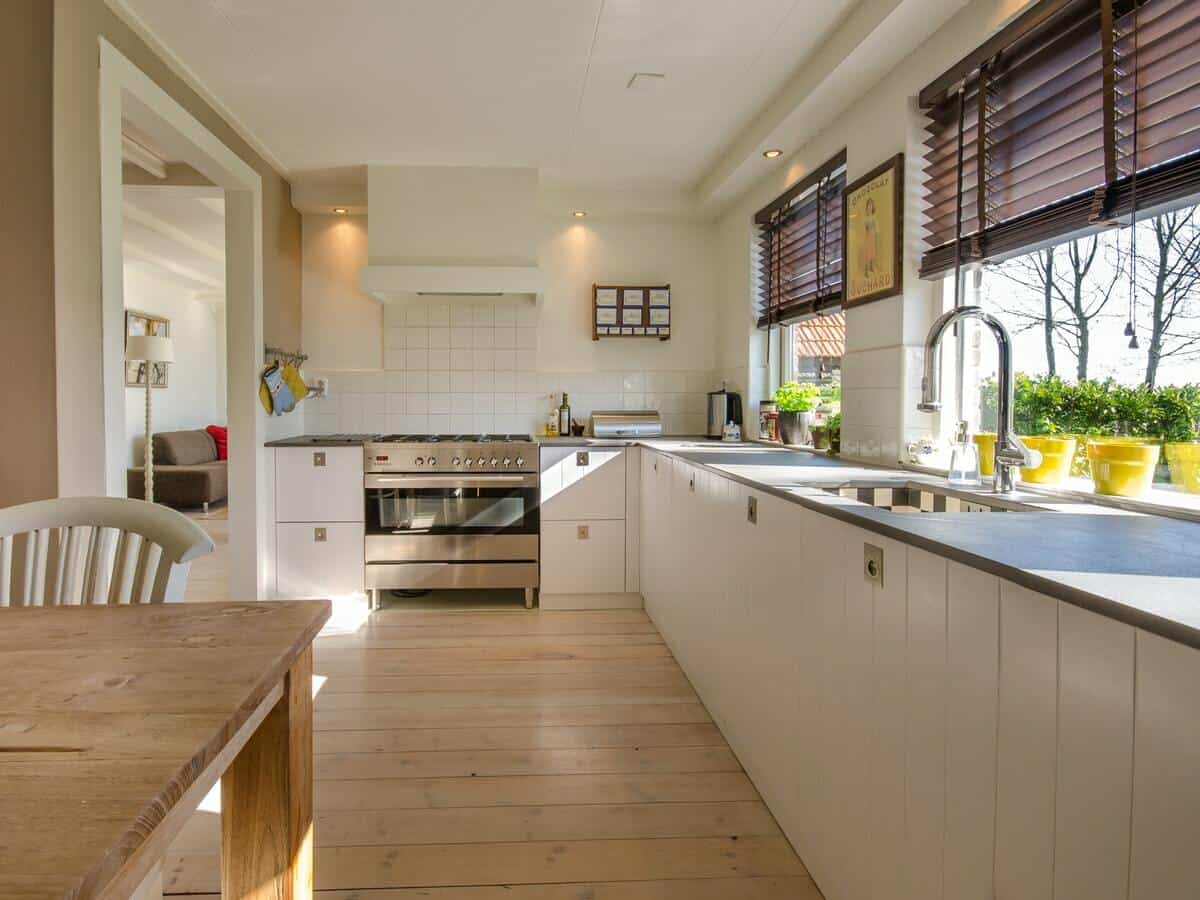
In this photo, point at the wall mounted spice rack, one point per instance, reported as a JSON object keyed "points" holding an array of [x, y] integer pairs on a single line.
{"points": [[631, 311]]}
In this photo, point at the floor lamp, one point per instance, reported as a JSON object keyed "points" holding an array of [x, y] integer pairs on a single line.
{"points": [[149, 350]]}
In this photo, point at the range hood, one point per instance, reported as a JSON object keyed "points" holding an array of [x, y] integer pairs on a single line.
{"points": [[402, 282]]}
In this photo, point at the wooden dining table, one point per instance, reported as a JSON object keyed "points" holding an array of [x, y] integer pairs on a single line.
{"points": [[115, 721]]}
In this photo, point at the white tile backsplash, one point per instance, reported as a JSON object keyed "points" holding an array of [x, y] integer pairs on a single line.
{"points": [[452, 367]]}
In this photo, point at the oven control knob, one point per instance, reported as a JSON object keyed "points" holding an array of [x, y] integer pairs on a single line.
{"points": [[419, 461], [432, 460], [456, 461], [468, 462], [482, 461], [520, 462], [495, 462], [507, 462]]}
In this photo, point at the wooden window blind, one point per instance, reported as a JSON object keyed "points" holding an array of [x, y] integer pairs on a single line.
{"points": [[799, 265], [1039, 134]]}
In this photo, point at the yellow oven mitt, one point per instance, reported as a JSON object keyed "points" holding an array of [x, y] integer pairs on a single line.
{"points": [[293, 379]]}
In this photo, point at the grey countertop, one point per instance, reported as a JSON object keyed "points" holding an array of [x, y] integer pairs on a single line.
{"points": [[1139, 569]]}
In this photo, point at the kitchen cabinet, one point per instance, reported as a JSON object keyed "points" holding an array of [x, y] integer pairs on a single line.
{"points": [[583, 558], [318, 484], [318, 560], [938, 733], [582, 483], [318, 527], [591, 527]]}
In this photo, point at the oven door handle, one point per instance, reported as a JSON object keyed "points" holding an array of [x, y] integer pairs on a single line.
{"points": [[448, 481]]}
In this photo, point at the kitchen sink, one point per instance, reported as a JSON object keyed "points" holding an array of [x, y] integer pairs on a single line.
{"points": [[917, 497]]}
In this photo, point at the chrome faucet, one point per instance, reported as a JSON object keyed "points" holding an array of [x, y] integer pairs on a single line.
{"points": [[1010, 452]]}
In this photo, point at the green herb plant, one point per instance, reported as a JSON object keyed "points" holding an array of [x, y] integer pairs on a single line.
{"points": [[792, 396]]}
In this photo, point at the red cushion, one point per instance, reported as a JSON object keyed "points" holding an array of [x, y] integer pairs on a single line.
{"points": [[220, 436]]}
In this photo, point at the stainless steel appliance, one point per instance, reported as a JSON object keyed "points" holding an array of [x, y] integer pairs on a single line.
{"points": [[626, 423], [451, 511], [723, 406]]}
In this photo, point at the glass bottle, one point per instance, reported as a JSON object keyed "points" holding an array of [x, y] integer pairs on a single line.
{"points": [[564, 416]]}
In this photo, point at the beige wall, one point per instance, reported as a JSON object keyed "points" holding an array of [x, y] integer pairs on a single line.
{"points": [[78, 26], [28, 469]]}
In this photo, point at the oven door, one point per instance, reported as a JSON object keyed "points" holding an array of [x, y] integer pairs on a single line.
{"points": [[451, 518]]}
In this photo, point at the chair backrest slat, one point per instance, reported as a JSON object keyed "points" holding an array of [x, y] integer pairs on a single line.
{"points": [[6, 559], [122, 573], [85, 550], [41, 553]]}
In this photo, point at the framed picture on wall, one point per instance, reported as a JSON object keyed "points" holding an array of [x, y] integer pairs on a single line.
{"points": [[873, 234], [138, 324]]}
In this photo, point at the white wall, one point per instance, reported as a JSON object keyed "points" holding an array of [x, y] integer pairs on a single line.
{"points": [[472, 364], [194, 396], [881, 370], [342, 325]]}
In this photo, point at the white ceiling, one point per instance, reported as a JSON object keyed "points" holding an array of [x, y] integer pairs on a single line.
{"points": [[325, 85], [179, 233]]}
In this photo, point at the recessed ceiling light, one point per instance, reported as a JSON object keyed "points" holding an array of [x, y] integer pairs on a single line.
{"points": [[772, 153], [579, 213], [340, 210]]}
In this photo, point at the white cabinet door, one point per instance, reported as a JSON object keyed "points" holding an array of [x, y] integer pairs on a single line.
{"points": [[925, 755], [319, 484], [972, 683], [1027, 735], [1164, 864], [582, 483], [318, 559], [583, 557], [1095, 756]]}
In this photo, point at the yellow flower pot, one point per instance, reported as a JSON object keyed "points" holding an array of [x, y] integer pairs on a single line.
{"points": [[1057, 453], [1122, 467], [1184, 460], [986, 441]]}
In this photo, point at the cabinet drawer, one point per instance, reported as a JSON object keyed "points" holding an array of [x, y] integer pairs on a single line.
{"points": [[583, 557], [321, 559], [318, 484], [581, 483]]}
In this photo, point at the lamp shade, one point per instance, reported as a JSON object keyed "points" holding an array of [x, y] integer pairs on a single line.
{"points": [[145, 348]]}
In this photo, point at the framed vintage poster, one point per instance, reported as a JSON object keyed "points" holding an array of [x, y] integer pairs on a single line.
{"points": [[873, 234], [136, 325]]}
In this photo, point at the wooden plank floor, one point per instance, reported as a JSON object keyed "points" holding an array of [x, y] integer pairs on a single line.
{"points": [[479, 755]]}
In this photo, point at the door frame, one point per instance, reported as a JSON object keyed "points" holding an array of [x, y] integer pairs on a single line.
{"points": [[127, 92]]}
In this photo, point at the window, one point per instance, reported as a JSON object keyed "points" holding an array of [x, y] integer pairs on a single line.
{"points": [[1080, 119], [799, 242]]}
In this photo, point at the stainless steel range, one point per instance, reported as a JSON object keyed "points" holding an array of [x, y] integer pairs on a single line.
{"points": [[451, 511]]}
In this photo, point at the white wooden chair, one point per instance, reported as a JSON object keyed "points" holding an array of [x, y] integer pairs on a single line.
{"points": [[86, 550]]}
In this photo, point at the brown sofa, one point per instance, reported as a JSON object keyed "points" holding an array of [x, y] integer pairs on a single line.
{"points": [[187, 473]]}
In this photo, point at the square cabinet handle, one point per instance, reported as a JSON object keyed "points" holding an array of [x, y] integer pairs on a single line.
{"points": [[582, 532], [319, 535], [319, 458], [581, 458]]}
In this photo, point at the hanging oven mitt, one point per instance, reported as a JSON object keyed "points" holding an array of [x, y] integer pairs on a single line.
{"points": [[295, 382], [264, 392], [281, 395]]}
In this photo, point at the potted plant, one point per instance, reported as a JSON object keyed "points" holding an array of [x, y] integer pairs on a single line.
{"points": [[795, 403], [820, 437], [835, 433]]}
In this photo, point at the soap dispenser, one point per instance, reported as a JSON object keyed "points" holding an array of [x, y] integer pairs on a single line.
{"points": [[964, 460]]}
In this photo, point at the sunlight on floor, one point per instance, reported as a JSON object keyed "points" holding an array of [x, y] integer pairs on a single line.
{"points": [[350, 612]]}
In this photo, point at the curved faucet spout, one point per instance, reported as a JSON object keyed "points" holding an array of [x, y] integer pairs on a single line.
{"points": [[1010, 452]]}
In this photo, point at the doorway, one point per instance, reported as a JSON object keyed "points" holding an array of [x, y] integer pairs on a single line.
{"points": [[132, 104]]}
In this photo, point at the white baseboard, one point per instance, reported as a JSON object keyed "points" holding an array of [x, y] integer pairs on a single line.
{"points": [[590, 601]]}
